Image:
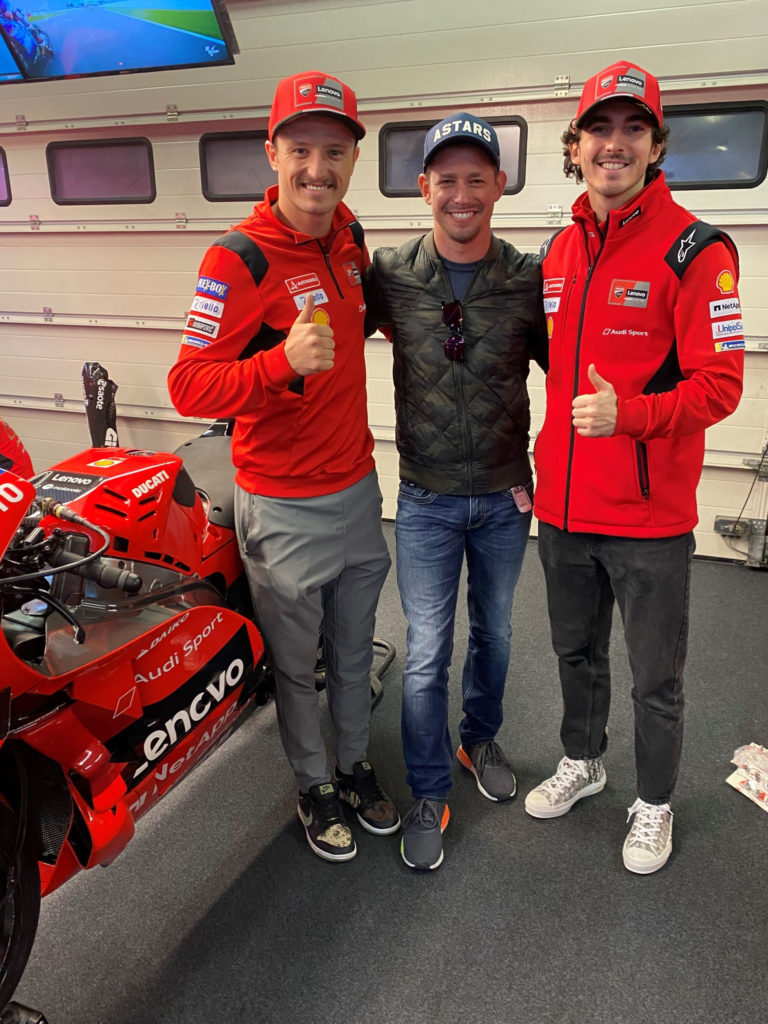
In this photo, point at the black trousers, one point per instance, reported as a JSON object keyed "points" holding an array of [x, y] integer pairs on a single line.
{"points": [[650, 581]]}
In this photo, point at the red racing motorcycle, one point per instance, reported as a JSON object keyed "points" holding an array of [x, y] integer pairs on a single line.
{"points": [[128, 653]]}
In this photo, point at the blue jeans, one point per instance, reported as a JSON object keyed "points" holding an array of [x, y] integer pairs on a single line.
{"points": [[433, 533]]}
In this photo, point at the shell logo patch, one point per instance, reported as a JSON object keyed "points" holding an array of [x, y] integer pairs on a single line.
{"points": [[725, 282], [550, 326], [320, 317]]}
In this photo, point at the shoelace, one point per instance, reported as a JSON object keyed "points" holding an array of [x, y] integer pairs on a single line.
{"points": [[329, 811], [423, 813], [368, 788], [649, 820], [490, 755], [567, 773]]}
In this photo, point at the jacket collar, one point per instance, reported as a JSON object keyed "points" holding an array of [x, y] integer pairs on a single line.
{"points": [[633, 215], [342, 218], [428, 242]]}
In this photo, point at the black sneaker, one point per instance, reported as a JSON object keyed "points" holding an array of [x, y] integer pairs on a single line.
{"points": [[375, 811], [493, 772], [423, 826], [321, 814]]}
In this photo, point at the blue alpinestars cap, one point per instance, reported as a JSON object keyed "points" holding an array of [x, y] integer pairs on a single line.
{"points": [[462, 127]]}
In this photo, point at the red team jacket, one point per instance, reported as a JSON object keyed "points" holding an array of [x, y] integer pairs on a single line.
{"points": [[294, 436], [651, 300]]}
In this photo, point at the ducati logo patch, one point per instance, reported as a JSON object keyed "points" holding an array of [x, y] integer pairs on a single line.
{"points": [[353, 274], [629, 293]]}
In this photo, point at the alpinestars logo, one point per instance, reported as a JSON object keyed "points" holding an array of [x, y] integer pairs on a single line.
{"points": [[686, 244]]}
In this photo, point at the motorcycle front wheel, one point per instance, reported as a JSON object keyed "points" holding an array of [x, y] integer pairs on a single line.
{"points": [[19, 905]]}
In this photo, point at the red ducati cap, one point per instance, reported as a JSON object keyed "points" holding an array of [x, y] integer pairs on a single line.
{"points": [[314, 92], [622, 81]]}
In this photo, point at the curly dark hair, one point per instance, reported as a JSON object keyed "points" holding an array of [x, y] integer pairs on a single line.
{"points": [[572, 134]]}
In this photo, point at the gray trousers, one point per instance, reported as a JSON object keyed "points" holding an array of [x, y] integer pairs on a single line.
{"points": [[313, 561]]}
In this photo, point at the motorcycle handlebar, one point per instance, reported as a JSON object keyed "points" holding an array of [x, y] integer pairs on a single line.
{"points": [[99, 572]]}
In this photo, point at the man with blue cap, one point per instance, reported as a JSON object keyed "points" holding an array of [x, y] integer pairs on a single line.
{"points": [[463, 311]]}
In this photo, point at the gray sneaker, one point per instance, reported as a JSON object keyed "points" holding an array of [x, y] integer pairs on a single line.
{"points": [[493, 772], [572, 781], [423, 826], [649, 843]]}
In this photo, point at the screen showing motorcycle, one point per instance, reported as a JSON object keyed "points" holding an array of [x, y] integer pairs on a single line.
{"points": [[9, 71], [71, 38]]}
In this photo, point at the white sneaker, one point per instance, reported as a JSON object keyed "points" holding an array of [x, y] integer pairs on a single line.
{"points": [[649, 843], [572, 781]]}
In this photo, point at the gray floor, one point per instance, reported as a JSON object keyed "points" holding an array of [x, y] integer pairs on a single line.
{"points": [[218, 910]]}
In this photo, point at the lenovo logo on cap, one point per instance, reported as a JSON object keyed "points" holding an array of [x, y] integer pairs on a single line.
{"points": [[330, 94], [632, 82]]}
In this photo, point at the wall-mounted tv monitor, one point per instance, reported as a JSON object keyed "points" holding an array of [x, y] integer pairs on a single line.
{"points": [[69, 38]]}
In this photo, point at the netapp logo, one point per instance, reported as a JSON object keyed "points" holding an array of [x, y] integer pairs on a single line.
{"points": [[724, 307]]}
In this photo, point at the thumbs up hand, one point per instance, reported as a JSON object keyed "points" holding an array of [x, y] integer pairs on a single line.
{"points": [[594, 415], [309, 346]]}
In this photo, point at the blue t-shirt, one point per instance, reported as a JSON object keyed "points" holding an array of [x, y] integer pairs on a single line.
{"points": [[459, 274]]}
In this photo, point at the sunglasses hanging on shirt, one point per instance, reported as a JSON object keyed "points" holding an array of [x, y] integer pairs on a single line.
{"points": [[453, 319]]}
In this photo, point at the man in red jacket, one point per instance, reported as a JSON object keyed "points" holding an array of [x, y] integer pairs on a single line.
{"points": [[646, 351], [275, 339]]}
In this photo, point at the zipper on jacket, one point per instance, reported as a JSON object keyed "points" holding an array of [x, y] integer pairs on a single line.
{"points": [[457, 370], [590, 270], [325, 253], [330, 270], [641, 453]]}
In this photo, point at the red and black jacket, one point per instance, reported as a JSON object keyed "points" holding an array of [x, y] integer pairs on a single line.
{"points": [[650, 297], [294, 436]]}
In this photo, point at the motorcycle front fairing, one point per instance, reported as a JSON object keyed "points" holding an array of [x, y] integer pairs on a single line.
{"points": [[160, 677]]}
